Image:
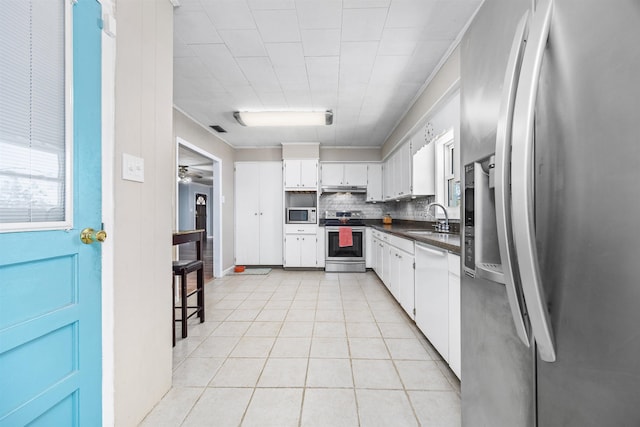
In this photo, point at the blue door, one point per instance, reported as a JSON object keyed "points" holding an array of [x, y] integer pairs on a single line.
{"points": [[50, 289]]}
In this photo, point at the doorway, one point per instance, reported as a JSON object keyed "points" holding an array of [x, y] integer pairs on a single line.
{"points": [[199, 203]]}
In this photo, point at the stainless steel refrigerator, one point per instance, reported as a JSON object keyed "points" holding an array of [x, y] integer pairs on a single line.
{"points": [[550, 140]]}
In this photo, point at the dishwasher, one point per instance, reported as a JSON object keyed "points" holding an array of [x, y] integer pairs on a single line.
{"points": [[432, 296]]}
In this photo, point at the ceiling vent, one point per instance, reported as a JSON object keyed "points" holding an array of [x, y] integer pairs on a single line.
{"points": [[218, 129]]}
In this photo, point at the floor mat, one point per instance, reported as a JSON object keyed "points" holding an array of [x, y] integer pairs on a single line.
{"points": [[254, 271]]}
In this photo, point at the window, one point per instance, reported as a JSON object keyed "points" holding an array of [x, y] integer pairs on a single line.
{"points": [[35, 139], [447, 173]]}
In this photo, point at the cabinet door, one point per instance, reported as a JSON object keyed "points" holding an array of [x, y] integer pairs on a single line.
{"points": [[292, 173], [368, 249], [308, 174], [292, 250], [432, 297], [388, 172], [454, 314], [271, 213], [397, 175], [374, 254], [320, 249], [380, 259], [393, 272], [355, 174], [332, 174], [247, 200], [423, 172], [406, 282], [404, 170], [308, 251], [374, 182]]}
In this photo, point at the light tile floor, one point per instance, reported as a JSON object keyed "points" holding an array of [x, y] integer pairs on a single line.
{"points": [[308, 348]]}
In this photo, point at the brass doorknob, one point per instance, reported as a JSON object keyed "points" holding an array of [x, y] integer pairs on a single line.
{"points": [[89, 235]]}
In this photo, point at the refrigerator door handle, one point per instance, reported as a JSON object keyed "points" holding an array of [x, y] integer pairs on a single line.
{"points": [[522, 161], [502, 162]]}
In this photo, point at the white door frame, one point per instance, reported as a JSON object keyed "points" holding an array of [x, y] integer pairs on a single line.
{"points": [[216, 208], [108, 213]]}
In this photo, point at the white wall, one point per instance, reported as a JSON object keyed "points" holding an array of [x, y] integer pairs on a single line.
{"points": [[195, 134], [143, 211]]}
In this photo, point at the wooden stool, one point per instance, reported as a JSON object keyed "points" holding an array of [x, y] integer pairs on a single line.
{"points": [[181, 268]]}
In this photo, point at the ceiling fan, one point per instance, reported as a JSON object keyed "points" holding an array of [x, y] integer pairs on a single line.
{"points": [[185, 175]]}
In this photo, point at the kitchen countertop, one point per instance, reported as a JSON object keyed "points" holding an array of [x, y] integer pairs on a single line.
{"points": [[448, 241]]}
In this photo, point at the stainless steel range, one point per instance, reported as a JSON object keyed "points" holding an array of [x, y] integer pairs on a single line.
{"points": [[345, 241]]}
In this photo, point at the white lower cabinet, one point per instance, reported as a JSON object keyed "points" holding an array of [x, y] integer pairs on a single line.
{"points": [[403, 280], [301, 246], [432, 296], [425, 280], [368, 250], [454, 314]]}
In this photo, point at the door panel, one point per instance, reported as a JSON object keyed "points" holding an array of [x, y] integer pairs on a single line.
{"points": [[586, 185], [247, 214], [50, 291], [271, 213]]}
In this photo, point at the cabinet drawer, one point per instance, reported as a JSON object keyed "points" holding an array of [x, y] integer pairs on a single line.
{"points": [[300, 229], [400, 243]]}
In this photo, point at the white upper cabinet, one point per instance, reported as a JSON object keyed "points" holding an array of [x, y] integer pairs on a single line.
{"points": [[397, 173], [343, 174], [424, 183], [355, 174], [301, 174], [374, 182]]}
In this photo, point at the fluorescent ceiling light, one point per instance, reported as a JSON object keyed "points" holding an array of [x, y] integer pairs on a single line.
{"points": [[284, 118]]}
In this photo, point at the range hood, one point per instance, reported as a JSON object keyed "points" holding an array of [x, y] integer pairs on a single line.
{"points": [[344, 189]]}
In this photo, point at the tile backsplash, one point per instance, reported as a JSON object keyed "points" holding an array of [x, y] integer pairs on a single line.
{"points": [[414, 210]]}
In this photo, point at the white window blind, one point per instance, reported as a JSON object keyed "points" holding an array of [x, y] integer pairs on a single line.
{"points": [[33, 146]]}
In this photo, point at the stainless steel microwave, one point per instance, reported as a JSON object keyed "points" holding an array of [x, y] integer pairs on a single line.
{"points": [[301, 216]]}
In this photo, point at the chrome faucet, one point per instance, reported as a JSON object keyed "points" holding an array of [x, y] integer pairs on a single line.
{"points": [[440, 226]]}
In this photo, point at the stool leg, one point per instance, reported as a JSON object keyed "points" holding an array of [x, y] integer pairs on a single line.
{"points": [[183, 298], [173, 309], [201, 295]]}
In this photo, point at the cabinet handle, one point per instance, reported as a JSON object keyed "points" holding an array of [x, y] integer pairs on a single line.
{"points": [[256, 213]]}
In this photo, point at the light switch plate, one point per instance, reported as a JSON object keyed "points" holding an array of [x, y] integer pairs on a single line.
{"points": [[132, 168]]}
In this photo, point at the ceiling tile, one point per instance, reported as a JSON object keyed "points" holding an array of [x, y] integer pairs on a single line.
{"points": [[363, 24], [273, 100], [243, 42], [272, 4], [323, 73], [313, 14], [220, 63], [229, 14], [361, 4], [399, 41], [195, 27], [244, 98], [388, 69], [277, 25], [190, 67], [189, 6], [451, 16], [298, 99], [289, 65], [321, 42], [260, 73], [356, 62], [409, 13], [180, 48]]}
